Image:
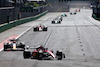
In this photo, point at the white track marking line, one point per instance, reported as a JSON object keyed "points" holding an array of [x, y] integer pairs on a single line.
{"points": [[23, 33]]}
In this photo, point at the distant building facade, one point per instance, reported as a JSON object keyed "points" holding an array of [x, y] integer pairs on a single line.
{"points": [[5, 3], [36, 0], [96, 9], [9, 3]]}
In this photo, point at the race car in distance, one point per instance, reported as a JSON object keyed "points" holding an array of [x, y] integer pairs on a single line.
{"points": [[72, 13], [40, 28], [64, 15], [57, 20], [42, 53], [14, 45], [77, 10]]}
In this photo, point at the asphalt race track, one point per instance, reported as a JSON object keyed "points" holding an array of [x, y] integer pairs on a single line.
{"points": [[77, 36]]}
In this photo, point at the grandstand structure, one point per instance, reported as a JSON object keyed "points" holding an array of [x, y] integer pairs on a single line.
{"points": [[58, 6], [65, 5], [80, 4]]}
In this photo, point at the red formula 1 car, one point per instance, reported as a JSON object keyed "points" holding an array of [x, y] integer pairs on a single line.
{"points": [[14, 45], [77, 10], [41, 53], [40, 28]]}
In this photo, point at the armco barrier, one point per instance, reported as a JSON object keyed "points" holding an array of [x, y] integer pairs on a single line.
{"points": [[21, 21], [94, 16]]}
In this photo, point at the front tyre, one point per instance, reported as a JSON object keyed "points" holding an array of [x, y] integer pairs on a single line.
{"points": [[5, 46], [26, 54], [45, 29]]}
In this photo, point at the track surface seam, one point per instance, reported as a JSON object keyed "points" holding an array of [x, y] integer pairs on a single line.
{"points": [[36, 62], [48, 37]]}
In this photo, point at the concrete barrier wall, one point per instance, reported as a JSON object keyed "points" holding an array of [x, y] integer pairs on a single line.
{"points": [[56, 6], [21, 21], [14, 11]]}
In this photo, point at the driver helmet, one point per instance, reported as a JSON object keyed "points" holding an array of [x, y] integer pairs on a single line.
{"points": [[60, 51], [27, 47]]}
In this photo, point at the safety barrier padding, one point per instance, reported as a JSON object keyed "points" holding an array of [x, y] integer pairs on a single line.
{"points": [[21, 21]]}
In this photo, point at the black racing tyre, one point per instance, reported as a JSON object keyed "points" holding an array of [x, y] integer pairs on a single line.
{"points": [[26, 54], [5, 47], [64, 55], [59, 21], [35, 29], [53, 22], [59, 58], [23, 46], [45, 29], [59, 55]]}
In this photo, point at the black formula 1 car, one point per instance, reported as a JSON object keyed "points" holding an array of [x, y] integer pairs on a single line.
{"points": [[57, 20], [64, 15], [14, 45], [40, 28], [72, 13], [42, 53]]}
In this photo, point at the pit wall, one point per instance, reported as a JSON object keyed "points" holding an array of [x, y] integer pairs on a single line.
{"points": [[8, 14]]}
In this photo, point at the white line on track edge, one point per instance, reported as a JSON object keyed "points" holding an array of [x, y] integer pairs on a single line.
{"points": [[23, 33], [1, 49], [19, 36]]}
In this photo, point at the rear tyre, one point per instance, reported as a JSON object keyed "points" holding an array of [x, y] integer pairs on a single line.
{"points": [[59, 55], [64, 55], [5, 46], [35, 29], [53, 22], [23, 47], [61, 19], [59, 58], [45, 29], [60, 22]]}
